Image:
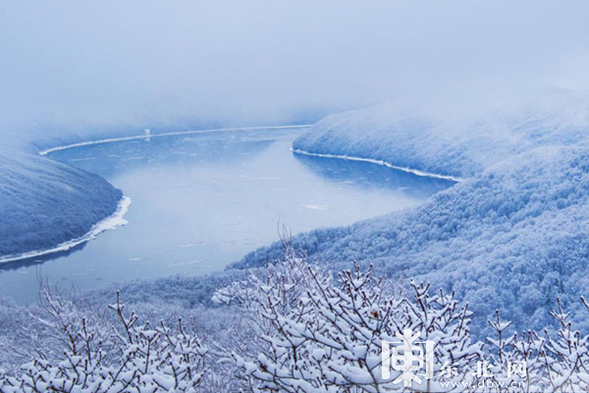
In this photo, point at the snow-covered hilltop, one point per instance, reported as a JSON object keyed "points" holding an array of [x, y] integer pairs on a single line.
{"points": [[44, 204], [461, 145], [513, 236]]}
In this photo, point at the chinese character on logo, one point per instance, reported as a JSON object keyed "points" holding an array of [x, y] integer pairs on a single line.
{"points": [[483, 370], [517, 368], [448, 370], [407, 358]]}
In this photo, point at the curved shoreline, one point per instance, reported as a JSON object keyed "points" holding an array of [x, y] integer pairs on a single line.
{"points": [[111, 222], [175, 133], [380, 162], [117, 218]]}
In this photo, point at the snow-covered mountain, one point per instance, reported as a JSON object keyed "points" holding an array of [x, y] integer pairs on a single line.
{"points": [[44, 203], [462, 144], [514, 235]]}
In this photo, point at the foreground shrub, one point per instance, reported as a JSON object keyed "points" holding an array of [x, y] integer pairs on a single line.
{"points": [[320, 333], [325, 334], [123, 357], [297, 328]]}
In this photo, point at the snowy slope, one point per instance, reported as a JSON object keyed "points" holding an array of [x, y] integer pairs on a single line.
{"points": [[45, 203], [513, 236], [461, 145]]}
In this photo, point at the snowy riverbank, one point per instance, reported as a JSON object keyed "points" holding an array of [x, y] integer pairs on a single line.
{"points": [[112, 222], [48, 206]]}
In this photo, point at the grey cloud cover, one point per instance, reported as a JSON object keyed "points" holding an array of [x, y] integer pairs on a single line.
{"points": [[81, 64]]}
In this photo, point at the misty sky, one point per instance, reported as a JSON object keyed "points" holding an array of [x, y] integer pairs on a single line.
{"points": [[110, 63]]}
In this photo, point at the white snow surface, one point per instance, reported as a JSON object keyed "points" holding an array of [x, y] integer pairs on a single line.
{"points": [[47, 206], [117, 219]]}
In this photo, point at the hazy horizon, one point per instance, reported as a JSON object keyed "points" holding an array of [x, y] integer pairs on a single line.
{"points": [[85, 64]]}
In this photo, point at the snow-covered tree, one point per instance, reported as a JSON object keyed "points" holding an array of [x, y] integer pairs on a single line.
{"points": [[130, 357], [322, 333], [298, 328], [544, 362]]}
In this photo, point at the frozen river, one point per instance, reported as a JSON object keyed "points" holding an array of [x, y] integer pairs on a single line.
{"points": [[202, 201]]}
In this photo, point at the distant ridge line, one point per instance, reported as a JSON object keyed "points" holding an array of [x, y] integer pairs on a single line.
{"points": [[174, 133]]}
